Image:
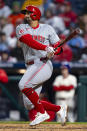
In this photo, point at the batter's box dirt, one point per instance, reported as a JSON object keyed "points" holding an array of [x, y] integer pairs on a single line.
{"points": [[43, 127]]}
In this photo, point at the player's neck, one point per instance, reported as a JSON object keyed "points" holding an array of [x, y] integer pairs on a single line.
{"points": [[34, 24], [65, 75]]}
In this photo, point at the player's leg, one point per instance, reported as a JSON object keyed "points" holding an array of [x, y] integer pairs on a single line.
{"points": [[32, 109], [71, 106], [50, 107], [28, 90], [43, 73], [27, 85], [47, 105]]}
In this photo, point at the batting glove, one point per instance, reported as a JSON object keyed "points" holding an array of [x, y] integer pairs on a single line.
{"points": [[50, 51]]}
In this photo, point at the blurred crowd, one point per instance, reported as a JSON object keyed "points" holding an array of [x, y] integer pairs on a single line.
{"points": [[57, 13]]}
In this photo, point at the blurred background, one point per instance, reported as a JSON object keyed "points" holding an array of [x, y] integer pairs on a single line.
{"points": [[64, 16]]}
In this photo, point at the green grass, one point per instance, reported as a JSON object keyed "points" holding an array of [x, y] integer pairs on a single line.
{"points": [[27, 122]]}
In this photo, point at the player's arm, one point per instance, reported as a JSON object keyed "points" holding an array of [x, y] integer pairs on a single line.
{"points": [[27, 39], [63, 88]]}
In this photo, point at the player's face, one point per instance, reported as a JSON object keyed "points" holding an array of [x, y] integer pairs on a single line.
{"points": [[27, 16], [64, 71]]}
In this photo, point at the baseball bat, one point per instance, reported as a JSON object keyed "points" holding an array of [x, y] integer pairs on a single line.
{"points": [[72, 35]]}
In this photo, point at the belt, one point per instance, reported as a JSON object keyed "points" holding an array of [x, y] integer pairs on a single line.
{"points": [[32, 62], [61, 98]]}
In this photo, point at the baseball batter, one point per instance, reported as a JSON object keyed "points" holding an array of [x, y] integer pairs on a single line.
{"points": [[35, 41]]}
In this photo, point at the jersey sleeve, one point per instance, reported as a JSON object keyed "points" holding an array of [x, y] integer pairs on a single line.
{"points": [[56, 82], [21, 30], [53, 37]]}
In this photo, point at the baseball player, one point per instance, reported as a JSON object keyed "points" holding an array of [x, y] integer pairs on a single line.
{"points": [[64, 86], [35, 41]]}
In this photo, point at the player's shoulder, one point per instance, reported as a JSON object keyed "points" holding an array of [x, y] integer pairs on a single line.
{"points": [[59, 77], [72, 76], [47, 26], [21, 26]]}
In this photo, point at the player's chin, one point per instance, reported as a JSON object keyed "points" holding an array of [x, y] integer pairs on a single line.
{"points": [[27, 20]]}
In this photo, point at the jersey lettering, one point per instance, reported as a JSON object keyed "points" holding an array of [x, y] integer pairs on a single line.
{"points": [[21, 31], [39, 38]]}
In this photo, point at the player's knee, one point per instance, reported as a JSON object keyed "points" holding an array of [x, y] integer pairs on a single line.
{"points": [[23, 85], [29, 85]]}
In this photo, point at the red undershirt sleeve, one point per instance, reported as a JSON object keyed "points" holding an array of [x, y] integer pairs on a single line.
{"points": [[28, 40], [63, 88]]}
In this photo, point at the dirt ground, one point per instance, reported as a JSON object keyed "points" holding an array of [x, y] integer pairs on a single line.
{"points": [[43, 127]]}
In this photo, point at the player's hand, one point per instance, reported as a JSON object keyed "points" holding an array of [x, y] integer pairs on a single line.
{"points": [[50, 52], [58, 51]]}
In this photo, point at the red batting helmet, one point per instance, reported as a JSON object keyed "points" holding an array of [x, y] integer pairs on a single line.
{"points": [[35, 12]]}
